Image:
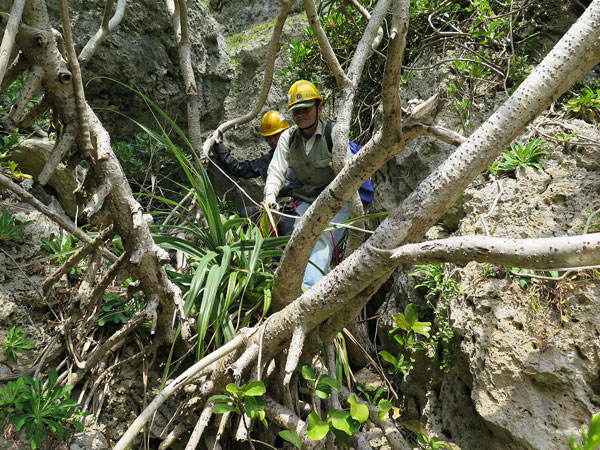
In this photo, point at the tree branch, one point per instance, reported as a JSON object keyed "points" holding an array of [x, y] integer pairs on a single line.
{"points": [[544, 253], [286, 5], [12, 27], [108, 25]]}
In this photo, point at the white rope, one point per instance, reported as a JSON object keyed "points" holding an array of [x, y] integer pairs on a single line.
{"points": [[236, 184]]}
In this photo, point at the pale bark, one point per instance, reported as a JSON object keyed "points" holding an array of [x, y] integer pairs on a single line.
{"points": [[179, 16], [339, 292], [286, 5], [9, 35], [108, 25], [545, 253]]}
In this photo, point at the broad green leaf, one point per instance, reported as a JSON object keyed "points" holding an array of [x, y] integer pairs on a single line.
{"points": [[358, 411], [220, 398], [252, 405], [573, 445], [593, 434], [388, 357], [384, 407], [341, 420], [317, 429], [329, 381], [401, 321], [411, 314], [422, 328], [323, 391], [234, 389], [291, 437], [308, 373], [221, 408], [343, 438], [255, 389]]}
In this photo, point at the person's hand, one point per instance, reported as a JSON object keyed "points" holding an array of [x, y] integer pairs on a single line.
{"points": [[270, 205]]}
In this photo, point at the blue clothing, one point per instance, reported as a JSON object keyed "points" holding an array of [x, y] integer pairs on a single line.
{"points": [[324, 248]]}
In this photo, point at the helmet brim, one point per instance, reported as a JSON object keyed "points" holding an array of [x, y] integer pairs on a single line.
{"points": [[304, 104]]}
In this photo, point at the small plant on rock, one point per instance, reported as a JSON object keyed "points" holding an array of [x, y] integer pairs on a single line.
{"points": [[589, 439], [10, 232], [521, 155], [38, 410], [440, 291], [16, 341], [586, 106]]}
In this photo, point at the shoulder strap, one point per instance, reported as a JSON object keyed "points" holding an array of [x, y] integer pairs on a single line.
{"points": [[328, 128]]}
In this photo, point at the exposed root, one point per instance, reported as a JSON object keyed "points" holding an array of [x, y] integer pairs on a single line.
{"points": [[201, 425], [58, 153], [75, 258], [285, 418], [222, 425], [178, 383], [247, 358], [28, 91]]}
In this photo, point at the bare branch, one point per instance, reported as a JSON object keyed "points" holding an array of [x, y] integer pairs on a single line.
{"points": [[84, 128], [179, 17], [12, 27], [392, 122], [286, 5], [104, 30], [326, 49], [63, 222], [544, 253]]}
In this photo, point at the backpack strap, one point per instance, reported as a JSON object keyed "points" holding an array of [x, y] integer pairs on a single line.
{"points": [[328, 128]]}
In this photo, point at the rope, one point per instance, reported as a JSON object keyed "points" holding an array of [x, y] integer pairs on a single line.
{"points": [[241, 189]]}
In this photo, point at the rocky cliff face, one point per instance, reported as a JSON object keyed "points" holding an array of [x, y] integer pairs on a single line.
{"points": [[142, 53]]}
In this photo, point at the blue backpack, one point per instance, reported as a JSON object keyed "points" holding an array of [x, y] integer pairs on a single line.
{"points": [[366, 191]]}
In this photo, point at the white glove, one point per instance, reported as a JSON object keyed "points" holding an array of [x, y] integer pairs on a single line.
{"points": [[270, 204]]}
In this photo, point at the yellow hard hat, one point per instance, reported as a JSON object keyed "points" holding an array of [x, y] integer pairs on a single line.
{"points": [[302, 91], [272, 123]]}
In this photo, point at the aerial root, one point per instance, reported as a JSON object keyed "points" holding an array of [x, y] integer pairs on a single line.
{"points": [[178, 383], [242, 363], [222, 425], [287, 419], [26, 94], [97, 198], [85, 287], [201, 425], [81, 253], [58, 153], [294, 352], [174, 434]]}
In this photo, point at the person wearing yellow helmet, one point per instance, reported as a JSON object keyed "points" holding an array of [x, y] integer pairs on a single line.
{"points": [[272, 125], [306, 150]]}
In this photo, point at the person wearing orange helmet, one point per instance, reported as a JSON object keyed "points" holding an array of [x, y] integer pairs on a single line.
{"points": [[272, 125], [305, 149]]}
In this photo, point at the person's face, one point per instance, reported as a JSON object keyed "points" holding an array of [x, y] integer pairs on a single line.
{"points": [[306, 117], [273, 139]]}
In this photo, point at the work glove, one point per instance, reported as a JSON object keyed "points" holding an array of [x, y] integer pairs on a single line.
{"points": [[270, 203]]}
